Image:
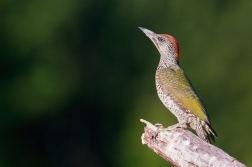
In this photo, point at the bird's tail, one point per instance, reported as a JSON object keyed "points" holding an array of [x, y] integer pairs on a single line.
{"points": [[206, 132]]}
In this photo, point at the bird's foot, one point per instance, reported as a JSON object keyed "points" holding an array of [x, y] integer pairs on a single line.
{"points": [[178, 125], [160, 128], [170, 128]]}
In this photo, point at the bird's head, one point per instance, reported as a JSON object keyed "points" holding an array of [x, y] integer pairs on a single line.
{"points": [[167, 45]]}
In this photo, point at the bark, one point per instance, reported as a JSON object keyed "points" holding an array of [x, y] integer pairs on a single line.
{"points": [[182, 148]]}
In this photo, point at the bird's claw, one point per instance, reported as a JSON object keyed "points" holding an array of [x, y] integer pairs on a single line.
{"points": [[170, 128], [178, 125], [159, 129]]}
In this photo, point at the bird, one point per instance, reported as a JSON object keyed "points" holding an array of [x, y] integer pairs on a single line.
{"points": [[175, 90]]}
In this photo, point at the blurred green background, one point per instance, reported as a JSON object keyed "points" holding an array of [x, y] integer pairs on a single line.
{"points": [[76, 76]]}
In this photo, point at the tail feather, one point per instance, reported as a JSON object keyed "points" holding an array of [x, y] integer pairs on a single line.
{"points": [[210, 131], [206, 132]]}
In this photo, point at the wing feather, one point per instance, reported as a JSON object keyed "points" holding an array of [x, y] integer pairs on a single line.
{"points": [[176, 83]]}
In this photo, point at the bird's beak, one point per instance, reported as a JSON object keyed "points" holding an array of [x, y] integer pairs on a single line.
{"points": [[148, 33], [151, 35]]}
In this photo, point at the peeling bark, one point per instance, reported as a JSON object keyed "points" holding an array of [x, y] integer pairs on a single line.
{"points": [[182, 148]]}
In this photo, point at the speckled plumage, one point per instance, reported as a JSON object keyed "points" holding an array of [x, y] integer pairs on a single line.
{"points": [[175, 90]]}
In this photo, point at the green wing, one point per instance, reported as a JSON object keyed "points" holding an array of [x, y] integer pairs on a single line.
{"points": [[175, 82]]}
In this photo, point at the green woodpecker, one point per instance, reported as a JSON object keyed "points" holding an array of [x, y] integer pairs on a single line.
{"points": [[176, 91]]}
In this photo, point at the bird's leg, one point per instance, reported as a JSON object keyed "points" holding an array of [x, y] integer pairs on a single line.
{"points": [[159, 129], [170, 128], [182, 125], [159, 126]]}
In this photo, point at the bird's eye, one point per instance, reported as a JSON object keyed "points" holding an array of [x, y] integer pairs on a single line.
{"points": [[161, 39]]}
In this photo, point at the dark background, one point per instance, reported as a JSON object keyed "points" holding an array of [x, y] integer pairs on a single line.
{"points": [[76, 76]]}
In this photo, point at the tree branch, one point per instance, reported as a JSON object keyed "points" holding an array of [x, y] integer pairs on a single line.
{"points": [[183, 149]]}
